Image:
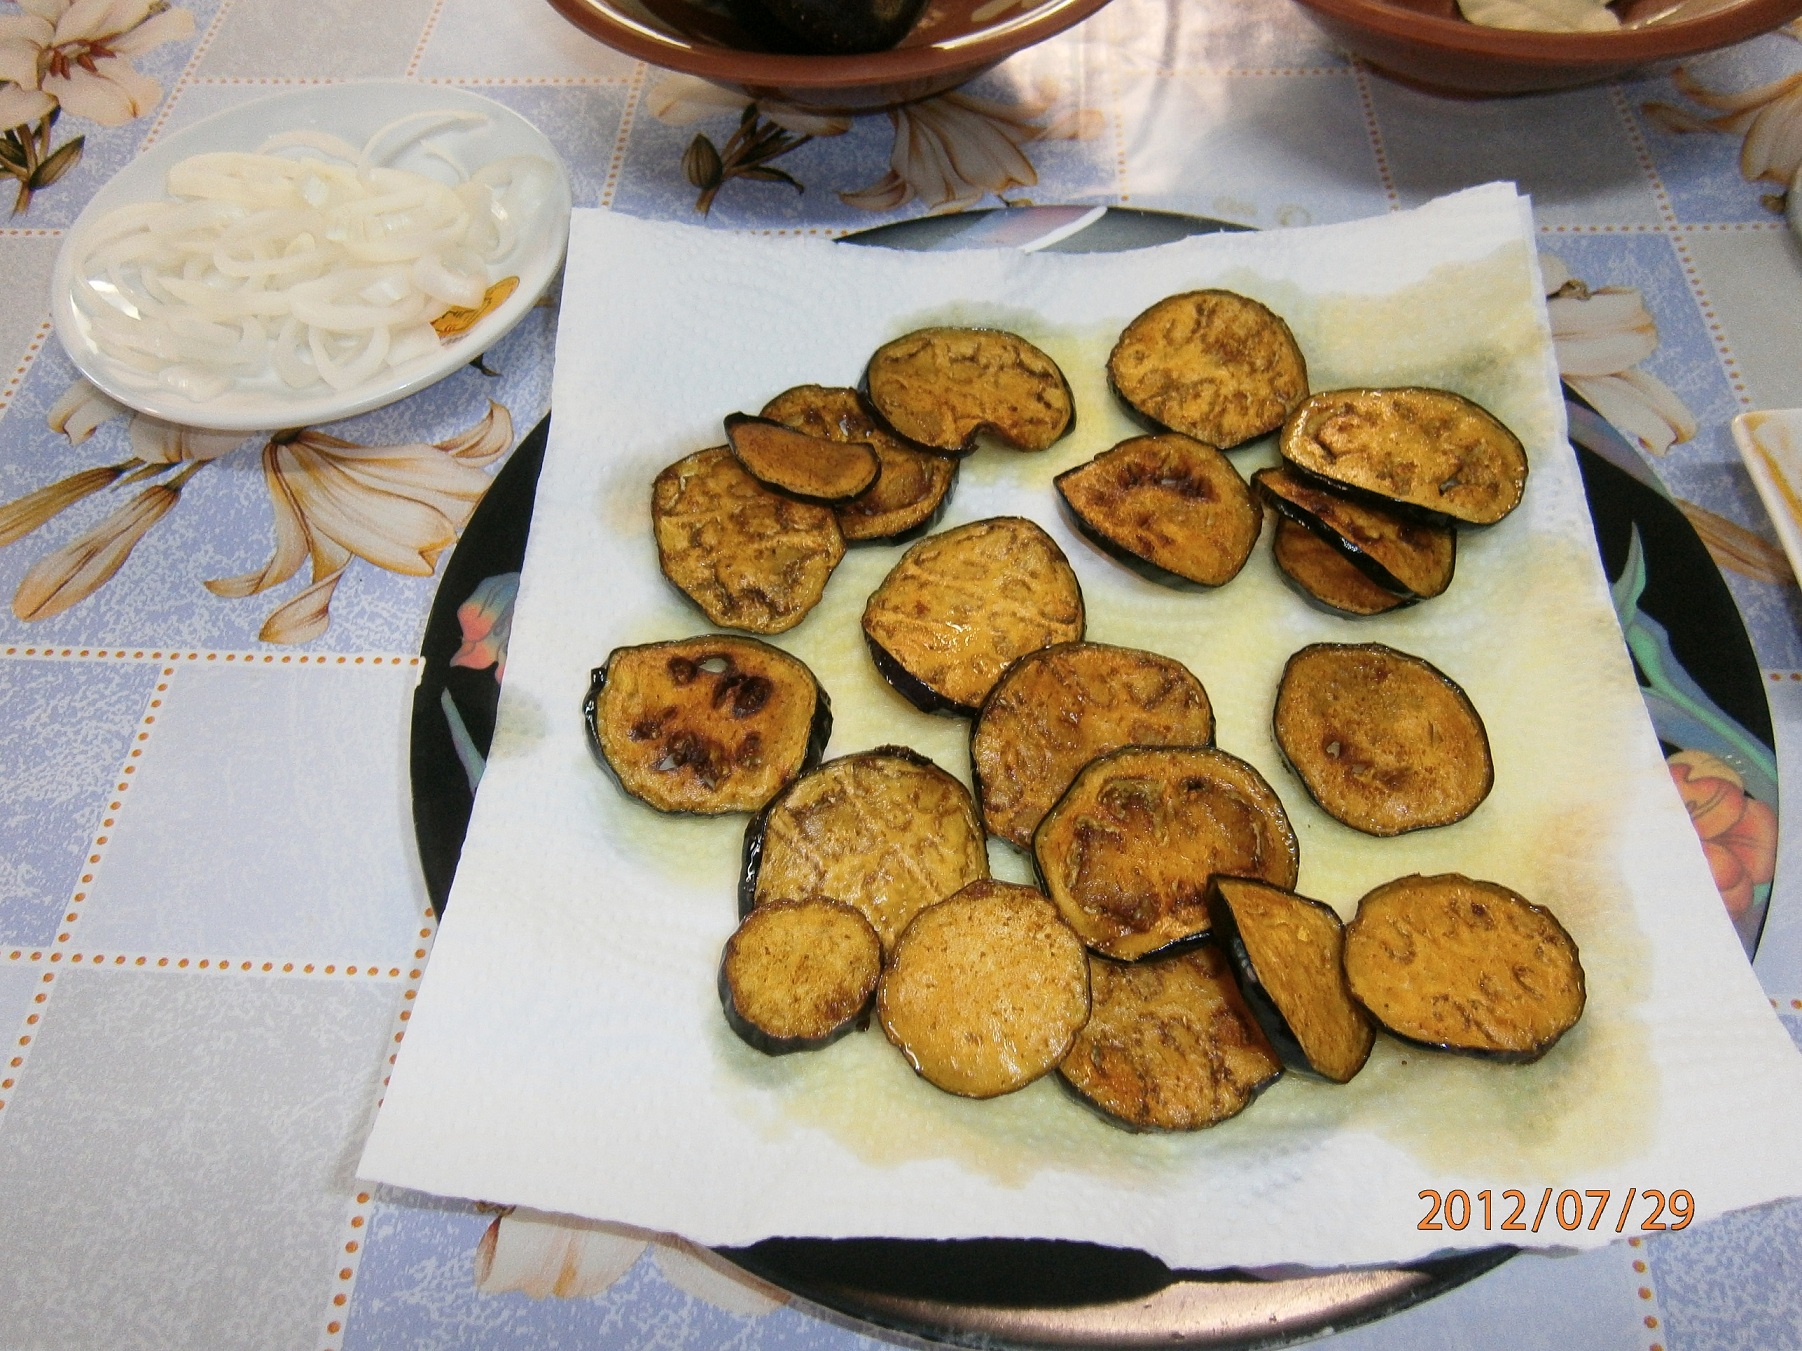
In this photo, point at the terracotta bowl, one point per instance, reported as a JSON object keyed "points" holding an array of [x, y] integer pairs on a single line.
{"points": [[1428, 44], [953, 41]]}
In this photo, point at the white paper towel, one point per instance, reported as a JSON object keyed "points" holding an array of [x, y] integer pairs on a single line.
{"points": [[568, 1052]]}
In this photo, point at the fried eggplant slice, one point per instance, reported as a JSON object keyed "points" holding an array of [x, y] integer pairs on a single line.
{"points": [[1129, 850], [909, 492], [963, 605], [706, 725], [1399, 553], [798, 975], [816, 468], [750, 558], [944, 386], [1170, 1044], [1385, 742], [1058, 708], [1171, 507], [1287, 951], [886, 831], [1328, 576], [1213, 365], [1467, 966], [1427, 448], [986, 990]]}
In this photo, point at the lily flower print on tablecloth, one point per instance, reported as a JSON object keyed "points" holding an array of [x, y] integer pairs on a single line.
{"points": [[74, 56], [766, 131], [1768, 118]]}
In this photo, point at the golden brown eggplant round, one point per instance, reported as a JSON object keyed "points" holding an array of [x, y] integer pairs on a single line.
{"points": [[1467, 966], [1426, 448], [914, 484], [1169, 506], [797, 975], [1169, 1044], [1129, 850], [816, 468], [962, 605], [1400, 553], [1213, 365], [706, 725], [750, 558], [986, 990], [1328, 576], [885, 831], [1058, 708], [1384, 741], [1287, 952], [944, 386]]}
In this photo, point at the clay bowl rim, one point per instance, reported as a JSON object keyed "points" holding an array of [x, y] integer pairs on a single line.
{"points": [[738, 66]]}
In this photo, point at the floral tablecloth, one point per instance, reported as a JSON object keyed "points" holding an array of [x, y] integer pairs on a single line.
{"points": [[212, 920]]}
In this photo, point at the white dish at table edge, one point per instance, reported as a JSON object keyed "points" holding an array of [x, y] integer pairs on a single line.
{"points": [[353, 111]]}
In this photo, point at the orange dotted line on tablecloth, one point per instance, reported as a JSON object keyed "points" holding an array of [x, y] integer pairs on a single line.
{"points": [[18, 375], [333, 659], [43, 232], [425, 36], [14, 1068], [113, 961], [1261, 72], [1375, 131], [186, 77], [1646, 1293], [351, 1261], [264, 80], [626, 122], [501, 81], [1116, 115], [1784, 675]]}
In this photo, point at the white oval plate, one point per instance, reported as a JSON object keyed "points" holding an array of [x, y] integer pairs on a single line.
{"points": [[353, 111]]}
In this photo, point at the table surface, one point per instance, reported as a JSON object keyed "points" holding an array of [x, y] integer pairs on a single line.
{"points": [[212, 920]]}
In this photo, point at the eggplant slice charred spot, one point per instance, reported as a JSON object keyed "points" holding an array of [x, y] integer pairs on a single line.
{"points": [[1213, 365], [797, 975], [1169, 506], [962, 606], [1462, 965], [886, 831], [1328, 576], [1058, 708], [1384, 741], [750, 558], [1170, 1044], [1129, 850], [1288, 953], [815, 468], [706, 725], [944, 386], [1401, 554], [986, 990]]}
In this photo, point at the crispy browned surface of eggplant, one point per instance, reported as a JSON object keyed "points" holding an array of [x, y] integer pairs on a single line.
{"points": [[814, 467], [986, 990], [707, 725], [1385, 741], [1465, 966], [962, 605], [1401, 553], [1288, 952], [1428, 448], [1170, 501], [1170, 1044], [943, 386], [750, 558], [1058, 708], [1129, 850], [885, 831], [913, 484], [1328, 575], [797, 974], [1214, 365]]}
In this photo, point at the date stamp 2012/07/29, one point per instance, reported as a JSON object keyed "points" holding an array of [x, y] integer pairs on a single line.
{"points": [[1566, 1210]]}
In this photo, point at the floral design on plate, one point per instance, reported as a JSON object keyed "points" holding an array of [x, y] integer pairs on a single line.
{"points": [[1738, 832]]}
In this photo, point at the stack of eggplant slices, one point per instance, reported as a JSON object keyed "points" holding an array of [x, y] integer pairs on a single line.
{"points": [[1165, 967]]}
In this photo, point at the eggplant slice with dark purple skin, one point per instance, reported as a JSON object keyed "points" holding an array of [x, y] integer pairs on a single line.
{"points": [[886, 831], [1400, 553], [942, 387], [1129, 850], [963, 605], [986, 991], [1428, 449], [913, 485], [798, 975], [1170, 1044], [814, 468], [1214, 365], [1460, 965], [1058, 708], [1171, 507], [706, 725], [1287, 951], [1384, 741], [1328, 576], [750, 558]]}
